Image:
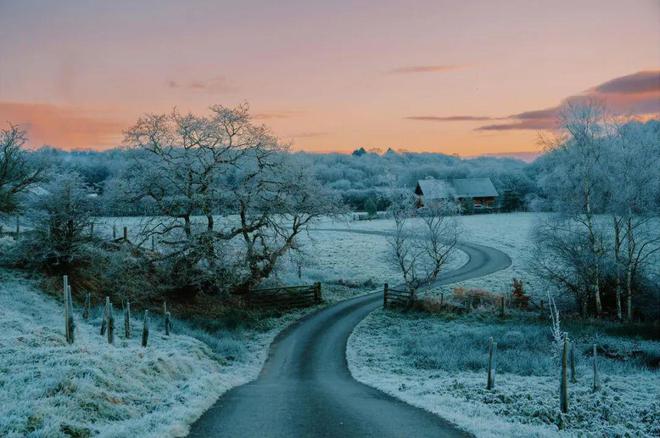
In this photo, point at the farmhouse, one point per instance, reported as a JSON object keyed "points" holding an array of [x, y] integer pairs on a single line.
{"points": [[477, 192]]}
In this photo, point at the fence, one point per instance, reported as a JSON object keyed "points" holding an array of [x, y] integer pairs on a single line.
{"points": [[396, 297], [293, 296]]}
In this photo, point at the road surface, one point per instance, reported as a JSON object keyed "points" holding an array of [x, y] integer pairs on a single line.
{"points": [[306, 390]]}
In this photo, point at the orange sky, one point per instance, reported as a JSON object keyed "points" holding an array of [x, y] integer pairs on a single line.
{"points": [[464, 77]]}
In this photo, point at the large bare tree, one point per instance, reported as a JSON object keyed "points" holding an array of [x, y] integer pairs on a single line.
{"points": [[190, 170], [17, 173]]}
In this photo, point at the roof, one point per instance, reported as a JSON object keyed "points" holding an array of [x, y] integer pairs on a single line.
{"points": [[456, 188]]}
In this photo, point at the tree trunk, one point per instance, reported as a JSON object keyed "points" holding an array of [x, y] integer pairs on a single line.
{"points": [[617, 260]]}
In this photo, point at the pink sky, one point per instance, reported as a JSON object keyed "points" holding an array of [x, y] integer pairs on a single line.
{"points": [[466, 77]]}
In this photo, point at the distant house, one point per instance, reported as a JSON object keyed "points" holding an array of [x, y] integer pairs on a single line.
{"points": [[477, 192]]}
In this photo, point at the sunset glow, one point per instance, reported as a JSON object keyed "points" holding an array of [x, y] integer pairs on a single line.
{"points": [[469, 77]]}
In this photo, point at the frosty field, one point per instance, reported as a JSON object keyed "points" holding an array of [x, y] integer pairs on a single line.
{"points": [[439, 364], [90, 388]]}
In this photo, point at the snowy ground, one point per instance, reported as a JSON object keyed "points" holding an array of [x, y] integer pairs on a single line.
{"points": [[439, 364], [52, 389], [507, 232]]}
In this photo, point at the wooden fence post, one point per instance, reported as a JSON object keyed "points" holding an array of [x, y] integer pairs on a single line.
{"points": [[442, 299], [127, 320], [88, 305], [573, 373], [91, 229], [18, 227], [492, 365], [125, 234], [153, 244], [166, 316], [65, 290], [111, 325], [145, 329], [317, 292], [385, 288], [596, 386], [71, 325], [104, 321], [502, 307], [114, 232], [563, 387]]}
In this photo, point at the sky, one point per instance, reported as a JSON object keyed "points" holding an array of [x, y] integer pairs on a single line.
{"points": [[458, 77]]}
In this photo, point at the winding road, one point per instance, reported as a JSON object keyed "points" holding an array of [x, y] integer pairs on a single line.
{"points": [[306, 390]]}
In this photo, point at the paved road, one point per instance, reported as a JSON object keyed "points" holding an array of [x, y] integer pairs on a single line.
{"points": [[306, 390]]}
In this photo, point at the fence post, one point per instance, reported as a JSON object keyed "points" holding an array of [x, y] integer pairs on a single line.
{"points": [[71, 325], [492, 351], [385, 288], [145, 329], [91, 229], [596, 378], [88, 305], [125, 234], [104, 322], [127, 320], [166, 315], [18, 229], [153, 244], [563, 388], [573, 373], [111, 325], [65, 289], [502, 307], [442, 299], [114, 232], [317, 292]]}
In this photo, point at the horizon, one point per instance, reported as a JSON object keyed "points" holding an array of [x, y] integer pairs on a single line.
{"points": [[472, 79]]}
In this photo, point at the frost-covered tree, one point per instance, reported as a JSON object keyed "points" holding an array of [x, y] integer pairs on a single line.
{"points": [[62, 220], [17, 172], [576, 180], [421, 244], [189, 171]]}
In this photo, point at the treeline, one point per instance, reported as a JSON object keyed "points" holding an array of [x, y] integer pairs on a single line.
{"points": [[361, 178]]}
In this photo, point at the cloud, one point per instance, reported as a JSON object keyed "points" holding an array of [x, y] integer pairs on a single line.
{"points": [[308, 134], [426, 69], [449, 118], [637, 94], [68, 128], [640, 82], [216, 85], [270, 115]]}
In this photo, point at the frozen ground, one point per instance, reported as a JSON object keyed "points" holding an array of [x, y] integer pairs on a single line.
{"points": [[439, 364], [507, 232], [52, 389]]}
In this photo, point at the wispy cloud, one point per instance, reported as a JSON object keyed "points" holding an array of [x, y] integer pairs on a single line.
{"points": [[449, 118], [426, 69], [64, 127], [216, 85], [637, 94], [271, 115]]}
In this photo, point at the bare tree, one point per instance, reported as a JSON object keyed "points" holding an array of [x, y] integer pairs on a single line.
{"points": [[577, 179], [634, 197], [189, 167], [420, 253], [17, 173]]}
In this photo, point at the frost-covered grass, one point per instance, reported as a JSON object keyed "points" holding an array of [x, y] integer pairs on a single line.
{"points": [[510, 233], [439, 363], [49, 388]]}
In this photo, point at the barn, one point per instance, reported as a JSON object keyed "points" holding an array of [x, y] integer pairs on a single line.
{"points": [[477, 192]]}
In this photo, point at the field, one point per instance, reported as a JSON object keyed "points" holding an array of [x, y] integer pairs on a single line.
{"points": [[438, 361], [90, 388]]}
